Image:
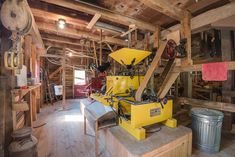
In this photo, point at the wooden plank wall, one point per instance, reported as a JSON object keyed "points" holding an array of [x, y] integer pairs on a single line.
{"points": [[7, 82]]}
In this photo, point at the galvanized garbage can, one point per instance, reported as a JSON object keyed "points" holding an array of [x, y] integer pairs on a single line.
{"points": [[206, 126], [24, 144]]}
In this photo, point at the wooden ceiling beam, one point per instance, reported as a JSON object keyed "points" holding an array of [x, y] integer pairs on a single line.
{"points": [[42, 14], [61, 45], [164, 7], [76, 34], [200, 5], [105, 14], [205, 19], [54, 17], [228, 23], [93, 21], [60, 39]]}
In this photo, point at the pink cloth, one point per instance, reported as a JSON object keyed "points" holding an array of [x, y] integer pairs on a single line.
{"points": [[215, 71]]}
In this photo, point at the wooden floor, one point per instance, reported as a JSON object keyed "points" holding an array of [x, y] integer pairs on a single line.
{"points": [[60, 134]]}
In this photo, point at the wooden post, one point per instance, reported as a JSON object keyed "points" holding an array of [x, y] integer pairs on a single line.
{"points": [[186, 33], [64, 81], [95, 54], [101, 32], [226, 47], [155, 45], [157, 37], [28, 51]]}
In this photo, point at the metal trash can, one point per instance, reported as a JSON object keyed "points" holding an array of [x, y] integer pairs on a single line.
{"points": [[23, 144], [206, 126]]}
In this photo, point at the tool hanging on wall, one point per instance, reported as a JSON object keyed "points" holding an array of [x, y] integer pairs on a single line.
{"points": [[17, 18]]}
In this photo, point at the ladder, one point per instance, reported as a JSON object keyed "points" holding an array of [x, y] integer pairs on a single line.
{"points": [[48, 91]]}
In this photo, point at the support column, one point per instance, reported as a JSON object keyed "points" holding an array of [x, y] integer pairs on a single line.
{"points": [[186, 33], [63, 80], [226, 46]]}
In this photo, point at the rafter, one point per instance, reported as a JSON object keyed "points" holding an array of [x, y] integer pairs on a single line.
{"points": [[164, 7], [76, 34], [205, 19], [106, 14], [59, 39]]}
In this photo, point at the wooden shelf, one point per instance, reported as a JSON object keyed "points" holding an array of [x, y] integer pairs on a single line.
{"points": [[25, 91], [31, 95]]}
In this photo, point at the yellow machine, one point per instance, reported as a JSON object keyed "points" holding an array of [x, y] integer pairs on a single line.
{"points": [[120, 95]]}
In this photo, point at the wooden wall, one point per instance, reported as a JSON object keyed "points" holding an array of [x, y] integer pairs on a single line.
{"points": [[7, 82]]}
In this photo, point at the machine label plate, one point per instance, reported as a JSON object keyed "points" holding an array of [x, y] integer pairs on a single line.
{"points": [[155, 112]]}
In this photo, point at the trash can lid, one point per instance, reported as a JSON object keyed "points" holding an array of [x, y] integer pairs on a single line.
{"points": [[207, 113]]}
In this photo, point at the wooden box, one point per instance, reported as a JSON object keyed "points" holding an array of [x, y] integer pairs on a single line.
{"points": [[168, 142]]}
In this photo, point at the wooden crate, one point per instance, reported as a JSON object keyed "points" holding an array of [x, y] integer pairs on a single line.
{"points": [[165, 143]]}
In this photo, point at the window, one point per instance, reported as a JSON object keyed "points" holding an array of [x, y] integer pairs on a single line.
{"points": [[79, 77]]}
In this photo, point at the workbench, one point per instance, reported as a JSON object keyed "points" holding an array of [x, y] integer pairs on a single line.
{"points": [[170, 142]]}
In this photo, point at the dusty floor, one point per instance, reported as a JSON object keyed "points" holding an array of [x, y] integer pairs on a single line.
{"points": [[60, 134]]}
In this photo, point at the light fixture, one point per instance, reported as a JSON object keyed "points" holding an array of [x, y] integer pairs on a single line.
{"points": [[70, 54], [126, 40], [61, 23]]}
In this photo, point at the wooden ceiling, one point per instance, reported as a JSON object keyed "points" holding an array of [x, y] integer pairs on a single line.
{"points": [[116, 16]]}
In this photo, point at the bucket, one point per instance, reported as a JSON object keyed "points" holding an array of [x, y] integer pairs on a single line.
{"points": [[206, 126]]}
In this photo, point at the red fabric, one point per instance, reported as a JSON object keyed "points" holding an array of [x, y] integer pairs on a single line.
{"points": [[215, 71]]}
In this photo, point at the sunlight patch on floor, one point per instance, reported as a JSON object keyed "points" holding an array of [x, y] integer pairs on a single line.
{"points": [[73, 118]]}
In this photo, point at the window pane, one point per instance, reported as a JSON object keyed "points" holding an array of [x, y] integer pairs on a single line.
{"points": [[79, 77]]}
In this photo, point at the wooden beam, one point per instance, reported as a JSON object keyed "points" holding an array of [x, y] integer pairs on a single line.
{"points": [[95, 54], [205, 19], [150, 71], [227, 53], [164, 7], [186, 33], [129, 31], [101, 53], [55, 72], [229, 93], [156, 37], [105, 14], [75, 33], [60, 39], [93, 21], [200, 5], [54, 17], [212, 16], [229, 107], [228, 23], [198, 67], [64, 80], [61, 45], [167, 83]]}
